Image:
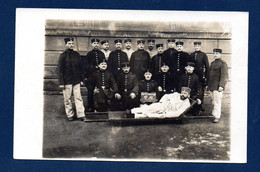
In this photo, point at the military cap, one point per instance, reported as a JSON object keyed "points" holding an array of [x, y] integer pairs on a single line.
{"points": [[151, 40], [197, 43], [191, 64], [179, 43], [147, 71], [186, 89], [140, 41], [217, 50], [104, 41], [171, 40], [159, 45], [68, 39], [127, 40], [118, 41], [94, 40], [125, 64]]}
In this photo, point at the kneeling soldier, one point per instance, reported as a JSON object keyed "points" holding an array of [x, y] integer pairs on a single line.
{"points": [[148, 89], [128, 88], [105, 87], [191, 81]]}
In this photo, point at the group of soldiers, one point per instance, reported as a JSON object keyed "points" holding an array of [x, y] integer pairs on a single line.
{"points": [[116, 80]]}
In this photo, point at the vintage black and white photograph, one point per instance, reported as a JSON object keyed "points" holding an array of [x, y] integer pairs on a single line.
{"points": [[157, 86]]}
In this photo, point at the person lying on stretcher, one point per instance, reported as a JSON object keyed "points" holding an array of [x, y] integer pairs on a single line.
{"points": [[169, 106]]}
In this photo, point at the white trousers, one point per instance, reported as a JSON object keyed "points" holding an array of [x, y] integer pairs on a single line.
{"points": [[216, 97], [67, 94]]}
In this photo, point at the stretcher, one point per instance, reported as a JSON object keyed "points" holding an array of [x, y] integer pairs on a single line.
{"points": [[124, 116]]}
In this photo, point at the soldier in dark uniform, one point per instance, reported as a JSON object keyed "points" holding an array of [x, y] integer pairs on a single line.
{"points": [[218, 76], [202, 66], [169, 53], [71, 76], [157, 61], [165, 81], [179, 62], [152, 52], [140, 61], [128, 88], [148, 86], [105, 48], [91, 61], [192, 81], [116, 58], [105, 87]]}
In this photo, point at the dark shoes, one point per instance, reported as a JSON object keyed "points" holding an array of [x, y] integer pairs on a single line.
{"points": [[83, 118], [90, 110], [216, 120], [70, 118]]}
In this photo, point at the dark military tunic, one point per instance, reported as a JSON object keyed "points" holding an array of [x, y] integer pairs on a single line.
{"points": [[149, 87], [156, 64], [127, 84], [166, 81], [202, 65], [218, 75], [70, 68], [107, 86], [116, 58], [169, 56], [178, 64], [139, 63], [92, 60], [191, 81]]}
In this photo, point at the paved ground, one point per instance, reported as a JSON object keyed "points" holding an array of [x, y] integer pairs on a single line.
{"points": [[197, 139]]}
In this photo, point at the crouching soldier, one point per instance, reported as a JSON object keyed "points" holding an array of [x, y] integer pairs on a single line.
{"points": [[128, 88], [165, 81], [105, 88], [191, 80], [148, 89]]}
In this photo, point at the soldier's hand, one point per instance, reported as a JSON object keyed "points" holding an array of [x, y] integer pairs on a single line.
{"points": [[172, 91], [62, 87], [220, 89], [160, 88], [81, 83], [132, 95], [96, 90], [117, 96], [206, 88], [198, 101]]}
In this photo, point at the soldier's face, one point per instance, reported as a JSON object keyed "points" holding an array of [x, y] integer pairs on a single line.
{"points": [[217, 55], [95, 45], [197, 47], [105, 46], [147, 76], [128, 45], [126, 69], [69, 45], [165, 68], [103, 66], [150, 45], [160, 50], [140, 46], [118, 46], [189, 69], [184, 95], [179, 47], [171, 44]]}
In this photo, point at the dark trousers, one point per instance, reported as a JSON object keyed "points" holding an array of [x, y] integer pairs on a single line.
{"points": [[125, 102], [90, 99]]}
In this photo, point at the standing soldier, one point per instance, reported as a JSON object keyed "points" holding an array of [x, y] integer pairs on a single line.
{"points": [[93, 58], [140, 61], [71, 76], [105, 87], [152, 52], [128, 50], [128, 88], [218, 76], [169, 53], [202, 67], [179, 62], [105, 50], [157, 61], [116, 58]]}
